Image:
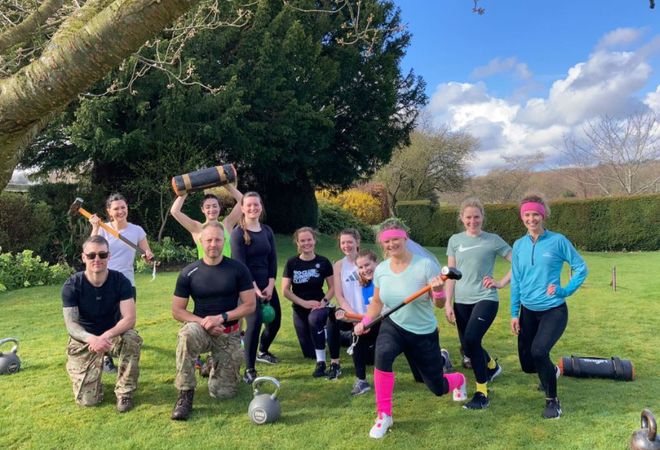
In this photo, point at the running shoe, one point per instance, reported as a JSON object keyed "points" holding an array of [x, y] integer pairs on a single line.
{"points": [[334, 372], [268, 358], [479, 401], [320, 369], [109, 365], [552, 409], [448, 367], [198, 363], [250, 375], [494, 373], [383, 423], [360, 387], [460, 393]]}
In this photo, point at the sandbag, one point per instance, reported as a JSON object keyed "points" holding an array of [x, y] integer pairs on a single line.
{"points": [[591, 367]]}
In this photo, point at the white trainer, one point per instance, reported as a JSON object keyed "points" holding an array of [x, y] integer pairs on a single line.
{"points": [[383, 423], [460, 393]]}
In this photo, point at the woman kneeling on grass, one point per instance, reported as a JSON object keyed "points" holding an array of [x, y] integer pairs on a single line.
{"points": [[538, 302], [413, 327]]}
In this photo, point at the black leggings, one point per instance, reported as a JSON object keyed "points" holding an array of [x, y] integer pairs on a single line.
{"points": [[271, 329], [423, 349], [473, 322], [539, 332], [335, 335], [310, 328]]}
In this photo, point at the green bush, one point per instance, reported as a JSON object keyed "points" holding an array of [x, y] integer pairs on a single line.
{"points": [[24, 224], [22, 270], [333, 219], [168, 253], [603, 224]]}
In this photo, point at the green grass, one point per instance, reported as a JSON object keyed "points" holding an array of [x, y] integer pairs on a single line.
{"points": [[37, 409]]}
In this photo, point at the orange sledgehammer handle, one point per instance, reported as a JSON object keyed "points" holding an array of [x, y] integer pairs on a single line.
{"points": [[112, 231]]}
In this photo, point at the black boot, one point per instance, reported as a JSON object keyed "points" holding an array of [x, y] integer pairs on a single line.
{"points": [[183, 406]]}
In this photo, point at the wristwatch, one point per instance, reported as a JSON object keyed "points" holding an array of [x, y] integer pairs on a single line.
{"points": [[225, 318]]}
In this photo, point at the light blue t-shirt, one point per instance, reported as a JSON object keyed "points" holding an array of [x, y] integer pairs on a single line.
{"points": [[417, 317], [475, 258]]}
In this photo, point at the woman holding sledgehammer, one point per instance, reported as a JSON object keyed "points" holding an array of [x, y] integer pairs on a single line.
{"points": [[538, 302], [413, 327], [475, 299], [123, 256]]}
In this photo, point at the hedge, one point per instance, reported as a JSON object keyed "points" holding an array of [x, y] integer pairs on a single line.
{"points": [[601, 224]]}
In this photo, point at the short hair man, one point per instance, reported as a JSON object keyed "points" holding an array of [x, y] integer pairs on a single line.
{"points": [[223, 292], [99, 314]]}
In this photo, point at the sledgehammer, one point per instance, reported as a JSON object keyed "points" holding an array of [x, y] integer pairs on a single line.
{"points": [[76, 207]]}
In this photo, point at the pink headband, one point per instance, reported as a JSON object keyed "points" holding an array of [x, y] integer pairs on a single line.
{"points": [[532, 206], [392, 234]]}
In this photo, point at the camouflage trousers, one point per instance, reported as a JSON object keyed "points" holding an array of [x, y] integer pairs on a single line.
{"points": [[226, 353], [85, 368]]}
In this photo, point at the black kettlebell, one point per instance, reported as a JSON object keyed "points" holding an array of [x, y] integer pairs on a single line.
{"points": [[646, 438], [9, 362]]}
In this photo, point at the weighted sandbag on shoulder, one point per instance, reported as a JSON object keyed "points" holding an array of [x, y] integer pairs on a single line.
{"points": [[592, 367]]}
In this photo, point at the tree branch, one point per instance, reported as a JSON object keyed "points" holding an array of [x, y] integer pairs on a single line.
{"points": [[26, 29]]}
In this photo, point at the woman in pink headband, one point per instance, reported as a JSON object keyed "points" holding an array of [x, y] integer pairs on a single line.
{"points": [[539, 314], [412, 329]]}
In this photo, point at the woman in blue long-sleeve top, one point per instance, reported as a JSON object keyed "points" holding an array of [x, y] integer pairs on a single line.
{"points": [[253, 244], [538, 302]]}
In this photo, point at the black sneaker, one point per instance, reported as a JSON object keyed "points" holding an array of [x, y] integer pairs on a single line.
{"points": [[320, 369], [109, 365], [494, 373], [268, 358], [250, 375], [466, 363], [334, 372], [552, 409], [479, 401], [448, 367]]}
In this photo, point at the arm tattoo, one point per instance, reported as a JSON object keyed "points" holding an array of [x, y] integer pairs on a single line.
{"points": [[71, 320]]}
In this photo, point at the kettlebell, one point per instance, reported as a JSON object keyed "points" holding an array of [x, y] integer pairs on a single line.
{"points": [[264, 408], [9, 362], [645, 438], [267, 313]]}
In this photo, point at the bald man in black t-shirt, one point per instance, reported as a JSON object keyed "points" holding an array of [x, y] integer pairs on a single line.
{"points": [[223, 293]]}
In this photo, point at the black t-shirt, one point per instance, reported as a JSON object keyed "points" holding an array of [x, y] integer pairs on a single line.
{"points": [[260, 256], [98, 306], [307, 277], [214, 289]]}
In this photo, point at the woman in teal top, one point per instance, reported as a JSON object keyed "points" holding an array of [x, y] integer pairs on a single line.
{"points": [[472, 301]]}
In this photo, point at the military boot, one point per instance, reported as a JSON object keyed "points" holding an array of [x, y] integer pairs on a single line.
{"points": [[183, 406]]}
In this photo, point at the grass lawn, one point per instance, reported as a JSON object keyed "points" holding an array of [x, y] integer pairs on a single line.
{"points": [[37, 408]]}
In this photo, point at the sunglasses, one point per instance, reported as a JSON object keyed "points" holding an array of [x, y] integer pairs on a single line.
{"points": [[93, 255]]}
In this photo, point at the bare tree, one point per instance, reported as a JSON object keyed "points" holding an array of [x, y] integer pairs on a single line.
{"points": [[507, 183], [434, 162], [612, 152]]}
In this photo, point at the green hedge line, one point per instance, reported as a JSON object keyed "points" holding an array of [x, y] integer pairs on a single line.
{"points": [[602, 224]]}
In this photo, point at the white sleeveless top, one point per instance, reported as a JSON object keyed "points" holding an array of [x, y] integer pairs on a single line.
{"points": [[350, 286]]}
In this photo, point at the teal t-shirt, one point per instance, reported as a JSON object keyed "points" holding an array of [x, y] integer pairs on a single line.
{"points": [[226, 248], [475, 258], [417, 317]]}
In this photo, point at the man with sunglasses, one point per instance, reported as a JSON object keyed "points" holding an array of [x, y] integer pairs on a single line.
{"points": [[99, 314]]}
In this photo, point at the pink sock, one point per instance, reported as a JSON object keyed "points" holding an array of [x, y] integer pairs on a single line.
{"points": [[454, 380], [384, 386]]}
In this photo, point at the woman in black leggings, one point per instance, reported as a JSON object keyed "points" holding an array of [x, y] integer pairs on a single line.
{"points": [[253, 244], [302, 283], [475, 299], [538, 302]]}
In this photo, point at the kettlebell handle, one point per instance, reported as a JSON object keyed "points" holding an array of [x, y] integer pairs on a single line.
{"points": [[14, 349], [260, 380], [648, 421]]}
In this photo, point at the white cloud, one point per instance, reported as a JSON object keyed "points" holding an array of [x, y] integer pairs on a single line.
{"points": [[503, 65], [609, 82], [619, 37]]}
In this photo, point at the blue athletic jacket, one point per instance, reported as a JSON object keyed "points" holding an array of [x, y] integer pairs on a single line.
{"points": [[535, 265]]}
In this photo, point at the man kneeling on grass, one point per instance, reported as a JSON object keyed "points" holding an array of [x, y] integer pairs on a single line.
{"points": [[99, 313], [223, 292]]}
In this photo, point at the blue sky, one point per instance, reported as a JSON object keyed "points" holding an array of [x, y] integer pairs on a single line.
{"points": [[525, 73]]}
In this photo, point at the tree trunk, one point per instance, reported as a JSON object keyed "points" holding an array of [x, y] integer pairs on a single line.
{"points": [[79, 55]]}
